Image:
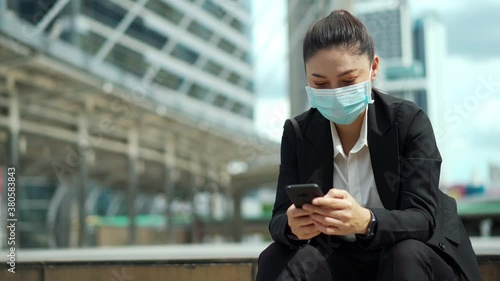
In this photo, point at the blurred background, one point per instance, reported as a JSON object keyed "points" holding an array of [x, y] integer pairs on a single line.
{"points": [[148, 122]]}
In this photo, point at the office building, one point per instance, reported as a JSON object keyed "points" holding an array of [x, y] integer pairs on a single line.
{"points": [[121, 108]]}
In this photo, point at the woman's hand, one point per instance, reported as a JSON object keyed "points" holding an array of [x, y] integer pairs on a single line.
{"points": [[337, 213], [301, 223]]}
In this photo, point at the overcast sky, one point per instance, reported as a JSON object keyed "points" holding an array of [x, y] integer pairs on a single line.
{"points": [[472, 67]]}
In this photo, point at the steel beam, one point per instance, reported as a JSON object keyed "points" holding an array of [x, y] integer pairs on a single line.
{"points": [[181, 128], [196, 234], [85, 78], [75, 11], [50, 15], [154, 68], [237, 227], [120, 29], [179, 33], [83, 147], [69, 136], [190, 8], [170, 185], [172, 64], [133, 184]]}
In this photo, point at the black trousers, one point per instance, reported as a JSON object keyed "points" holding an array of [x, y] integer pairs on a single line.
{"points": [[408, 260]]}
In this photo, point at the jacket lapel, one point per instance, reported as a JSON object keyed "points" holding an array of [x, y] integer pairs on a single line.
{"points": [[318, 161], [384, 152]]}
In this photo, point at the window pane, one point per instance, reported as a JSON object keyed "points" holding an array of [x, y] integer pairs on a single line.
{"points": [[183, 53], [214, 9], [226, 46], [237, 108], [91, 42], [164, 10], [197, 92], [127, 59], [168, 79], [234, 78], [103, 11], [213, 67], [236, 24], [138, 30], [220, 100], [199, 30]]}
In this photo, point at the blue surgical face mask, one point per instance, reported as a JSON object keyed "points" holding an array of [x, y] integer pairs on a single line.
{"points": [[341, 105]]}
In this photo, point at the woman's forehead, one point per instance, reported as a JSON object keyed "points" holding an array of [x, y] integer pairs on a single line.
{"points": [[336, 60]]}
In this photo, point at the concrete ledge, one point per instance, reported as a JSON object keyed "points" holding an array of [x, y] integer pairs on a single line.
{"points": [[180, 263], [144, 253], [209, 270], [218, 252], [486, 246], [180, 270], [145, 271]]}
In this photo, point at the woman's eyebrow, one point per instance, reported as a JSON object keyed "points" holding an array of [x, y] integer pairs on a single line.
{"points": [[318, 75], [346, 72], [340, 75]]}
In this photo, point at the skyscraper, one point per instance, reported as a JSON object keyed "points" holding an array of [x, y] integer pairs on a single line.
{"points": [[389, 24], [411, 52]]}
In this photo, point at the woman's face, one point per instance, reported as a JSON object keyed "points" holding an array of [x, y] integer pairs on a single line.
{"points": [[337, 67]]}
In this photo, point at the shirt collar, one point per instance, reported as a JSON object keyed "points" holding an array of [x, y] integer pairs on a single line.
{"points": [[362, 141]]}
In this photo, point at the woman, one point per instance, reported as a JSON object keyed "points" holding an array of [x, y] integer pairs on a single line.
{"points": [[375, 157]]}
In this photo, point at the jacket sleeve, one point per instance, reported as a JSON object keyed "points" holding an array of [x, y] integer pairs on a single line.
{"points": [[419, 165], [288, 174]]}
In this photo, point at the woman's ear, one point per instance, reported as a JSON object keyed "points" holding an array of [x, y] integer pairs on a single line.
{"points": [[375, 67]]}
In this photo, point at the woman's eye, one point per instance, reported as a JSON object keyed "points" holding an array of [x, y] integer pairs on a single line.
{"points": [[320, 84], [350, 80]]}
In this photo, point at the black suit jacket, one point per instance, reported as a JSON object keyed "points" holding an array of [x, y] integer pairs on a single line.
{"points": [[406, 167]]}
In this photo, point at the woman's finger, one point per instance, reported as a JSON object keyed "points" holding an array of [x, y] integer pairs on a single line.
{"points": [[302, 221], [307, 229], [326, 221], [323, 210], [297, 212], [314, 233], [334, 203], [328, 230]]}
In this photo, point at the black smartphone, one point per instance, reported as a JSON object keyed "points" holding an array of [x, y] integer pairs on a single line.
{"points": [[301, 194]]}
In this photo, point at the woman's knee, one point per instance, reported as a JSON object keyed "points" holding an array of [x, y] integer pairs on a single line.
{"points": [[272, 253], [283, 252], [273, 262], [278, 260], [409, 250]]}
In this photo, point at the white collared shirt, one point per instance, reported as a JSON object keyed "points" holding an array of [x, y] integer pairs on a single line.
{"points": [[354, 172]]}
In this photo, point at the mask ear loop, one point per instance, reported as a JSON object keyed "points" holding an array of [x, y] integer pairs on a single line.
{"points": [[369, 98], [309, 97]]}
